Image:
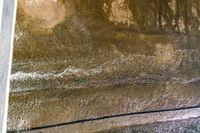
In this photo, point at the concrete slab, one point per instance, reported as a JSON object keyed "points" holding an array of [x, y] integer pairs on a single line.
{"points": [[120, 122]]}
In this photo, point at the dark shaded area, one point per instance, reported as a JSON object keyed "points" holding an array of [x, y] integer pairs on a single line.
{"points": [[163, 15]]}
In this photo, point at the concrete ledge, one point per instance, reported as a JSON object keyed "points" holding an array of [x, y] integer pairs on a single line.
{"points": [[120, 122]]}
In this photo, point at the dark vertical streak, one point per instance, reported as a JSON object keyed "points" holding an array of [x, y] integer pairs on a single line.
{"points": [[160, 15], [156, 13], [186, 16], [177, 17], [198, 13]]}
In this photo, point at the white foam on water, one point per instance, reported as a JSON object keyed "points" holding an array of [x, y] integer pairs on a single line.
{"points": [[22, 76], [196, 79], [185, 81]]}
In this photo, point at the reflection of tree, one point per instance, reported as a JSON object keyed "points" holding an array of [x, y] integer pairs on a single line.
{"points": [[178, 15], [185, 19], [121, 13], [165, 15]]}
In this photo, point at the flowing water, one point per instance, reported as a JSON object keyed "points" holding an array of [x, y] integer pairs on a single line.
{"points": [[89, 64]]}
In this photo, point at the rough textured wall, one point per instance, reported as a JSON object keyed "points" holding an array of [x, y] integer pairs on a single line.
{"points": [[80, 59]]}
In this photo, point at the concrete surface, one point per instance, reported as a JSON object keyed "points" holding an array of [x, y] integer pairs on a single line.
{"points": [[7, 13], [109, 124], [99, 58]]}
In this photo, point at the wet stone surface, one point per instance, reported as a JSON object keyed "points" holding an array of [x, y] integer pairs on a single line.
{"points": [[80, 59], [187, 125]]}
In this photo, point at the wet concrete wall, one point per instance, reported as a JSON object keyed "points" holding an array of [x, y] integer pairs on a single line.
{"points": [[80, 59]]}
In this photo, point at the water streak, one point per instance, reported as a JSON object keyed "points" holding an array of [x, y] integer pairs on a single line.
{"points": [[22, 76]]}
